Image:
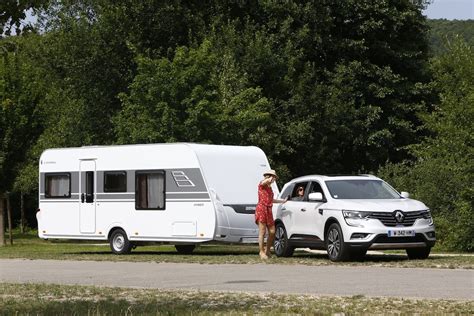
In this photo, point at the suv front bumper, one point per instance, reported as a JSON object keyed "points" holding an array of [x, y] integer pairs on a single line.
{"points": [[382, 241]]}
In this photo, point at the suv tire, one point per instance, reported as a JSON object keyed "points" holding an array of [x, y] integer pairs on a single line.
{"points": [[185, 249], [281, 245], [119, 242], [358, 254], [335, 245], [418, 253]]}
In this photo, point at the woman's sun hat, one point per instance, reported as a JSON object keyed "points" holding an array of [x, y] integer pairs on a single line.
{"points": [[270, 173]]}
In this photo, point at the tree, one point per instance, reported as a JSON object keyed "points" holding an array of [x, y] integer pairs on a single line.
{"points": [[442, 173], [18, 114], [346, 79], [13, 12], [442, 30], [208, 101]]}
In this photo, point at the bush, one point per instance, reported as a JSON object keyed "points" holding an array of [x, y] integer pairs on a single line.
{"points": [[441, 174]]}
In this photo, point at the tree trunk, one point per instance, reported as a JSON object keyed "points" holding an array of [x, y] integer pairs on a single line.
{"points": [[22, 212], [2, 221], [9, 212]]}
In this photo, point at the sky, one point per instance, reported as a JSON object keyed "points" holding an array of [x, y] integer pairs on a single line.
{"points": [[450, 9]]}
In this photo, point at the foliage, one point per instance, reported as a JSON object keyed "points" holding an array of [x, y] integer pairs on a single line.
{"points": [[20, 94], [207, 101], [443, 171], [13, 12], [343, 95], [442, 31]]}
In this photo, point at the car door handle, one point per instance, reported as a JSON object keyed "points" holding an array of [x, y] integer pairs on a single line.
{"points": [[303, 210], [82, 198], [283, 209], [320, 211]]}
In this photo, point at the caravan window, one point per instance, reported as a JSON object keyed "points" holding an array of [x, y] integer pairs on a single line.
{"points": [[150, 190], [115, 181], [58, 185]]}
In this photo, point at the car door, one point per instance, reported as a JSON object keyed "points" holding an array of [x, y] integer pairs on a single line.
{"points": [[295, 208], [312, 217]]}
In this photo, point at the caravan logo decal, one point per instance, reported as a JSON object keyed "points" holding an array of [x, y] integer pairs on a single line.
{"points": [[182, 179]]}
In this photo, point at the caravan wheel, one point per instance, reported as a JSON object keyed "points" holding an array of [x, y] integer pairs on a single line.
{"points": [[119, 242], [185, 249]]}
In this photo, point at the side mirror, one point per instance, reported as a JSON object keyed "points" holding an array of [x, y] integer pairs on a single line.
{"points": [[316, 196], [405, 195]]}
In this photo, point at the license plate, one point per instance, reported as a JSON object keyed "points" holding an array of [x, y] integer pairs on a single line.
{"points": [[401, 233]]}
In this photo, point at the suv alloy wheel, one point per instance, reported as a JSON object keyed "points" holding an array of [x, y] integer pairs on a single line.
{"points": [[335, 245], [281, 245]]}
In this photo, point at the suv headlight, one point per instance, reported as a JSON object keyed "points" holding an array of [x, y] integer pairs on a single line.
{"points": [[427, 215], [355, 214], [355, 218]]}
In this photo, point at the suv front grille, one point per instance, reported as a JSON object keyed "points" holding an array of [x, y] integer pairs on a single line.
{"points": [[388, 219]]}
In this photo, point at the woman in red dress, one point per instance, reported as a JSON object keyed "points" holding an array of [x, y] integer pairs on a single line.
{"points": [[263, 212]]}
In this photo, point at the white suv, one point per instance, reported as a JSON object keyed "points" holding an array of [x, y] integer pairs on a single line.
{"points": [[347, 215]]}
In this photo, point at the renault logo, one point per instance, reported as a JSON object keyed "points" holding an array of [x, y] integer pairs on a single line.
{"points": [[399, 216]]}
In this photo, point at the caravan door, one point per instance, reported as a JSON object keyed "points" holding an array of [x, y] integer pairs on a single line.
{"points": [[87, 197]]}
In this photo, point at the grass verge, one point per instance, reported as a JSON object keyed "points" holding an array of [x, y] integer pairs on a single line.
{"points": [[29, 246], [41, 299]]}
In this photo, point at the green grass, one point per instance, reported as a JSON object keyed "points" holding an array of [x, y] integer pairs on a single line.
{"points": [[29, 246], [41, 299]]}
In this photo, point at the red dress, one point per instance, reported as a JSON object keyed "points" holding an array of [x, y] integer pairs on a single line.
{"points": [[263, 211]]}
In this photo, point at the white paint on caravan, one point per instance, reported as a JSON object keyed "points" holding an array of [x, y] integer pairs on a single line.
{"points": [[180, 193]]}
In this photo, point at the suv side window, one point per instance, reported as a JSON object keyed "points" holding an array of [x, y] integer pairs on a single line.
{"points": [[296, 194], [316, 188], [287, 192]]}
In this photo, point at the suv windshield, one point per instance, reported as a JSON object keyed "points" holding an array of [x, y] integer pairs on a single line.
{"points": [[361, 189]]}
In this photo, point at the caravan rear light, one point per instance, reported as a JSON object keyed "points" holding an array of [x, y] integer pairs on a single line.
{"points": [[38, 210]]}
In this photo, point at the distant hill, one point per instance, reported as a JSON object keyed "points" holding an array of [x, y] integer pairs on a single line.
{"points": [[442, 30]]}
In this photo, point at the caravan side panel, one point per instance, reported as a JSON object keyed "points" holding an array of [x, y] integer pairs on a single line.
{"points": [[188, 213]]}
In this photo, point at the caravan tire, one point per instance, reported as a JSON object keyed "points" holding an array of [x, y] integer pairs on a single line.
{"points": [[185, 249], [119, 242]]}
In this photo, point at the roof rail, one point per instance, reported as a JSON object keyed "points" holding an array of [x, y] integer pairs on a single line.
{"points": [[341, 175]]}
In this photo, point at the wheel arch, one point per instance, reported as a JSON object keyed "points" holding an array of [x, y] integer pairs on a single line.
{"points": [[331, 220], [114, 228]]}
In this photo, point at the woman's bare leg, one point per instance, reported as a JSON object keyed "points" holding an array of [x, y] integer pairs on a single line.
{"points": [[261, 235], [271, 238]]}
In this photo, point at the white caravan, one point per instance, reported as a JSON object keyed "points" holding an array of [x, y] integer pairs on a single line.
{"points": [[130, 195]]}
